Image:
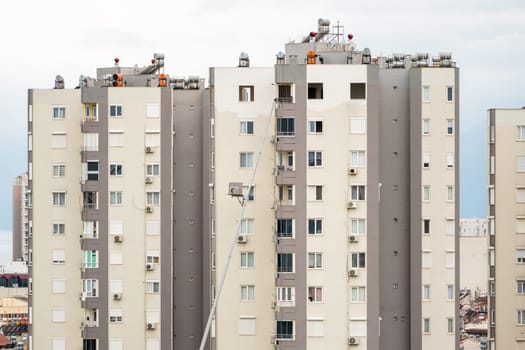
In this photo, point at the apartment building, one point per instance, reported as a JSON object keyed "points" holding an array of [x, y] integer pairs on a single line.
{"points": [[348, 233], [506, 157], [21, 204]]}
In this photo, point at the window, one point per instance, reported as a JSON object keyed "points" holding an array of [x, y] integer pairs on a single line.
{"points": [[315, 226], [247, 227], [426, 193], [116, 139], [426, 325], [58, 256], [152, 139], [152, 257], [246, 127], [426, 93], [315, 260], [285, 126], [89, 229], [59, 228], [520, 286], [246, 93], [59, 170], [59, 112], [116, 257], [450, 94], [116, 344], [315, 327], [152, 287], [153, 227], [92, 170], [450, 126], [315, 193], [450, 260], [357, 125], [358, 260], [357, 226], [59, 343], [520, 194], [248, 196], [285, 330], [426, 226], [450, 193], [285, 93], [153, 198], [153, 169], [285, 296], [521, 132], [115, 110], [426, 126], [315, 294], [450, 160], [426, 160], [246, 159], [521, 317], [59, 198], [285, 159], [247, 293], [358, 294], [315, 158], [247, 259], [91, 141], [90, 259], [247, 325], [427, 259], [58, 286], [450, 325], [315, 126], [357, 192], [115, 315], [285, 262], [315, 91], [357, 91], [285, 228], [358, 327], [115, 197], [357, 159], [58, 140], [115, 169], [89, 288], [450, 226], [58, 314], [116, 286], [450, 292], [152, 110], [116, 227], [426, 292], [520, 256]]}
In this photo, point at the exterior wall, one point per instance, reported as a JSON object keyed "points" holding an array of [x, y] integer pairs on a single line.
{"points": [[18, 193], [227, 112], [474, 269], [505, 211]]}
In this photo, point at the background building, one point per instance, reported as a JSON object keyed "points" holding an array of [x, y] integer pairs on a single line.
{"points": [[21, 229], [474, 255], [506, 152], [348, 233]]}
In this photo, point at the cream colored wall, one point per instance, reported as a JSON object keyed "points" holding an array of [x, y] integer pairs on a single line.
{"points": [[474, 268], [335, 109], [438, 110], [507, 241], [132, 156], [228, 111], [43, 240]]}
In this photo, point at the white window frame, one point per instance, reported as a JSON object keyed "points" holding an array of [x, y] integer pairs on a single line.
{"points": [[58, 315], [115, 197], [247, 292], [426, 292], [59, 170], [247, 260], [450, 292], [357, 263], [358, 294], [313, 126], [358, 192], [520, 256], [427, 195], [425, 126], [356, 128], [152, 287], [357, 159], [450, 126], [246, 160], [358, 226], [317, 160], [59, 112], [90, 288], [247, 226], [115, 169], [152, 169], [315, 294], [285, 296], [450, 160], [449, 93], [426, 325], [153, 198], [59, 198], [115, 110], [244, 127], [116, 316], [317, 225], [59, 228], [521, 132], [315, 260], [425, 96]]}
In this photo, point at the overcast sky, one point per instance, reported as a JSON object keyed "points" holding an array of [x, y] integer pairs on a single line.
{"points": [[40, 39]]}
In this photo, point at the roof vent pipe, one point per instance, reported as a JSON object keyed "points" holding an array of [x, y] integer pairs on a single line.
{"points": [[244, 60]]}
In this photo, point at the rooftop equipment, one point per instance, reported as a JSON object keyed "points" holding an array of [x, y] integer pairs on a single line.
{"points": [[244, 60]]}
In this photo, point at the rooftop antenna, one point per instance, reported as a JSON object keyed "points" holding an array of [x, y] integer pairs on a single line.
{"points": [[339, 31]]}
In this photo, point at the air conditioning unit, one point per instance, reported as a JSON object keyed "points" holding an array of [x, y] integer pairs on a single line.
{"points": [[235, 189], [352, 171], [353, 341], [242, 238], [280, 167], [117, 296], [351, 205], [150, 326], [149, 210], [150, 267], [118, 238], [273, 304], [353, 239], [352, 273], [274, 340], [148, 149], [275, 139], [148, 180]]}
